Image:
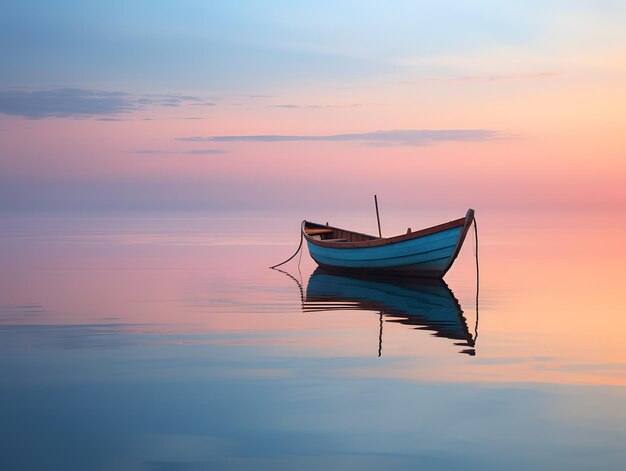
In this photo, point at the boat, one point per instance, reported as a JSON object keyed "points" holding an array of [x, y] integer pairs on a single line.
{"points": [[425, 253], [424, 304]]}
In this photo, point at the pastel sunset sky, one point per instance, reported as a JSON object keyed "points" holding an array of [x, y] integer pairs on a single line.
{"points": [[281, 104]]}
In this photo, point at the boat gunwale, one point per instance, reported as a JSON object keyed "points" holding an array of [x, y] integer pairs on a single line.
{"points": [[382, 241]]}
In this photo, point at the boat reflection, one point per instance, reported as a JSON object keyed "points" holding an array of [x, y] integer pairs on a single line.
{"points": [[424, 304]]}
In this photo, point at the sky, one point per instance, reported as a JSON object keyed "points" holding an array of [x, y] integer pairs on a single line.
{"points": [[287, 105]]}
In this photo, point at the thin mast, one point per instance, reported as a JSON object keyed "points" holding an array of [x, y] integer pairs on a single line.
{"points": [[377, 216]]}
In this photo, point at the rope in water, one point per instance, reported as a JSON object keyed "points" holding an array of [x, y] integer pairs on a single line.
{"points": [[296, 252], [298, 282]]}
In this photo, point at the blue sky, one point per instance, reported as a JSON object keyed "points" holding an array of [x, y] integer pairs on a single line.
{"points": [[248, 46]]}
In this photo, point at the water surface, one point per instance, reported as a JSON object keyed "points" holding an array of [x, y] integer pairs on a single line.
{"points": [[163, 341]]}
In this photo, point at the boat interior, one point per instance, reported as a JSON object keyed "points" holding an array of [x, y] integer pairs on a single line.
{"points": [[333, 234]]}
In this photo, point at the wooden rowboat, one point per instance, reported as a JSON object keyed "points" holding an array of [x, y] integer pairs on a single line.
{"points": [[426, 253]]}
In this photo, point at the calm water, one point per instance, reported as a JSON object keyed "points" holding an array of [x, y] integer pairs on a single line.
{"points": [[163, 342]]}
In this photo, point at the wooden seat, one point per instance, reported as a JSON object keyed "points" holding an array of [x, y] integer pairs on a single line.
{"points": [[318, 231], [335, 240]]}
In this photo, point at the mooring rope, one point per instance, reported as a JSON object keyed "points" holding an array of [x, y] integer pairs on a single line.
{"points": [[477, 278], [296, 252]]}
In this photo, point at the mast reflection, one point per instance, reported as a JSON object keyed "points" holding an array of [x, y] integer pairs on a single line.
{"points": [[424, 304]]}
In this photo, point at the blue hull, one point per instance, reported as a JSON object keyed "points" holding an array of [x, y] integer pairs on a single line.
{"points": [[428, 253]]}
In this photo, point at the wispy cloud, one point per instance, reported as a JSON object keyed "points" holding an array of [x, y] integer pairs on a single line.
{"points": [[149, 151], [206, 151], [398, 137], [497, 78], [191, 152], [83, 103], [486, 78], [293, 106], [112, 119], [19, 312]]}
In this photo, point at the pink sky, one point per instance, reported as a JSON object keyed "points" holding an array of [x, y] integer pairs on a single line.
{"points": [[548, 91]]}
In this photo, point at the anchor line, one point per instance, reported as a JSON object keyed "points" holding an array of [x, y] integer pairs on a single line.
{"points": [[477, 278], [295, 253]]}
